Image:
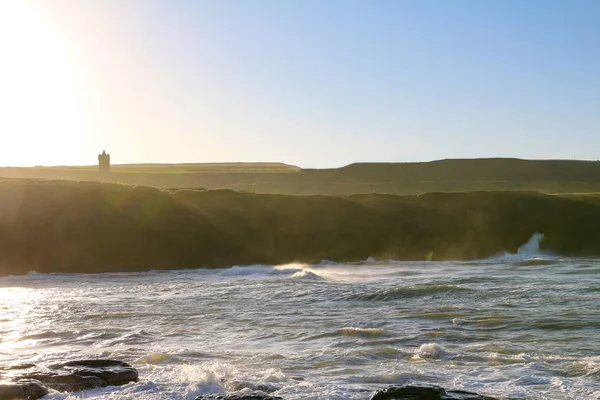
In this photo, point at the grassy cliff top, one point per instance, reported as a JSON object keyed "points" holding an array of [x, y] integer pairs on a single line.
{"points": [[183, 168], [479, 169], [496, 174]]}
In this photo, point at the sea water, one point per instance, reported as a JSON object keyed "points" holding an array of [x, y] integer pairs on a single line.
{"points": [[519, 326]]}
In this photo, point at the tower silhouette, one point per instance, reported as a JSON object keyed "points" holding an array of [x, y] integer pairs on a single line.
{"points": [[104, 162]]}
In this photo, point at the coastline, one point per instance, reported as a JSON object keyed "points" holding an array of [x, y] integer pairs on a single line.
{"points": [[87, 227]]}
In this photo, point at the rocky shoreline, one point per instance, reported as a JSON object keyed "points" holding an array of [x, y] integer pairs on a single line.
{"points": [[31, 382], [28, 381], [393, 392]]}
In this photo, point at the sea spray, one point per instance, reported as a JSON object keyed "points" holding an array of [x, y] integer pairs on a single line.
{"points": [[532, 246]]}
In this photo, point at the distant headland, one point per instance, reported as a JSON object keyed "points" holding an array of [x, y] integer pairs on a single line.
{"points": [[169, 216], [62, 226], [451, 175]]}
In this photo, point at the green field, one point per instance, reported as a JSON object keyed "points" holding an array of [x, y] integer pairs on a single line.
{"points": [[206, 168], [546, 176]]}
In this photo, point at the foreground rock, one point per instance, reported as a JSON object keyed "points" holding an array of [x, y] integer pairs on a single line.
{"points": [[425, 393], [238, 396], [71, 376], [105, 372], [22, 390], [237, 386], [389, 393]]}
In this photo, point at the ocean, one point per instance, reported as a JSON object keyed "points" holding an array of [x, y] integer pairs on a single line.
{"points": [[519, 326]]}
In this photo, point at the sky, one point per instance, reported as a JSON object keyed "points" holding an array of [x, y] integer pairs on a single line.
{"points": [[314, 83]]}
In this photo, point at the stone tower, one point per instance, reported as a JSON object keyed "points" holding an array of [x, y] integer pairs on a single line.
{"points": [[104, 162]]}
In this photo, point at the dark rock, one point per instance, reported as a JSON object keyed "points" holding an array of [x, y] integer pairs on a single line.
{"points": [[114, 373], [425, 393], [91, 364], [238, 396], [17, 367], [22, 391], [262, 387], [74, 376], [67, 383]]}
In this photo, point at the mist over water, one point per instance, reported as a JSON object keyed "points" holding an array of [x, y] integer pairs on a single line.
{"points": [[521, 327]]}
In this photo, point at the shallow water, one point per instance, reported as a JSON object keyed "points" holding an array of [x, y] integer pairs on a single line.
{"points": [[518, 326]]}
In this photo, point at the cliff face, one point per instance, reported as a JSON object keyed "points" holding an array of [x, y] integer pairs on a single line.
{"points": [[60, 226]]}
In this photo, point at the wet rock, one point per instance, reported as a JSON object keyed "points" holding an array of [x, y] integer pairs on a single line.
{"points": [[67, 383], [22, 391], [112, 372], [425, 393], [17, 367], [238, 396], [262, 387], [74, 376]]}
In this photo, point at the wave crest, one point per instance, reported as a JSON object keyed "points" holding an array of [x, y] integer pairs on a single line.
{"points": [[152, 358], [430, 351], [362, 332], [406, 291], [258, 271]]}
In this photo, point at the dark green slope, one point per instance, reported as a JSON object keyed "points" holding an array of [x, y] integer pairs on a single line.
{"points": [[482, 169], [61, 226]]}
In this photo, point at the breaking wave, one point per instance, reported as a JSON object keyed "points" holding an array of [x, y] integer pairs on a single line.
{"points": [[528, 254], [430, 351], [257, 271]]}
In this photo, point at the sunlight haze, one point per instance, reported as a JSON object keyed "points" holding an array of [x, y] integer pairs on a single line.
{"points": [[299, 199], [310, 83]]}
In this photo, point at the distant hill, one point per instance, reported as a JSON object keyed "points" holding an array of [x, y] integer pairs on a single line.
{"points": [[454, 175], [223, 168], [476, 170], [152, 168]]}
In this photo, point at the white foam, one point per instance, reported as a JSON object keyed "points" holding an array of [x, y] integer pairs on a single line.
{"points": [[429, 351], [356, 331], [304, 274], [250, 270], [291, 266], [205, 378], [295, 270], [152, 358]]}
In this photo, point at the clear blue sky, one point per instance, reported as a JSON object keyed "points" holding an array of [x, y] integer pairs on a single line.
{"points": [[312, 83]]}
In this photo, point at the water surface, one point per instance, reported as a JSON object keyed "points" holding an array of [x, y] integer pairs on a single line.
{"points": [[518, 326]]}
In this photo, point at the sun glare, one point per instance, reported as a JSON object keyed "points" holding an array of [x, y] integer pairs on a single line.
{"points": [[15, 304], [10, 295], [38, 88]]}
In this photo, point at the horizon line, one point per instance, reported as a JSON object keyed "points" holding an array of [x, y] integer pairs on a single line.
{"points": [[223, 163]]}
